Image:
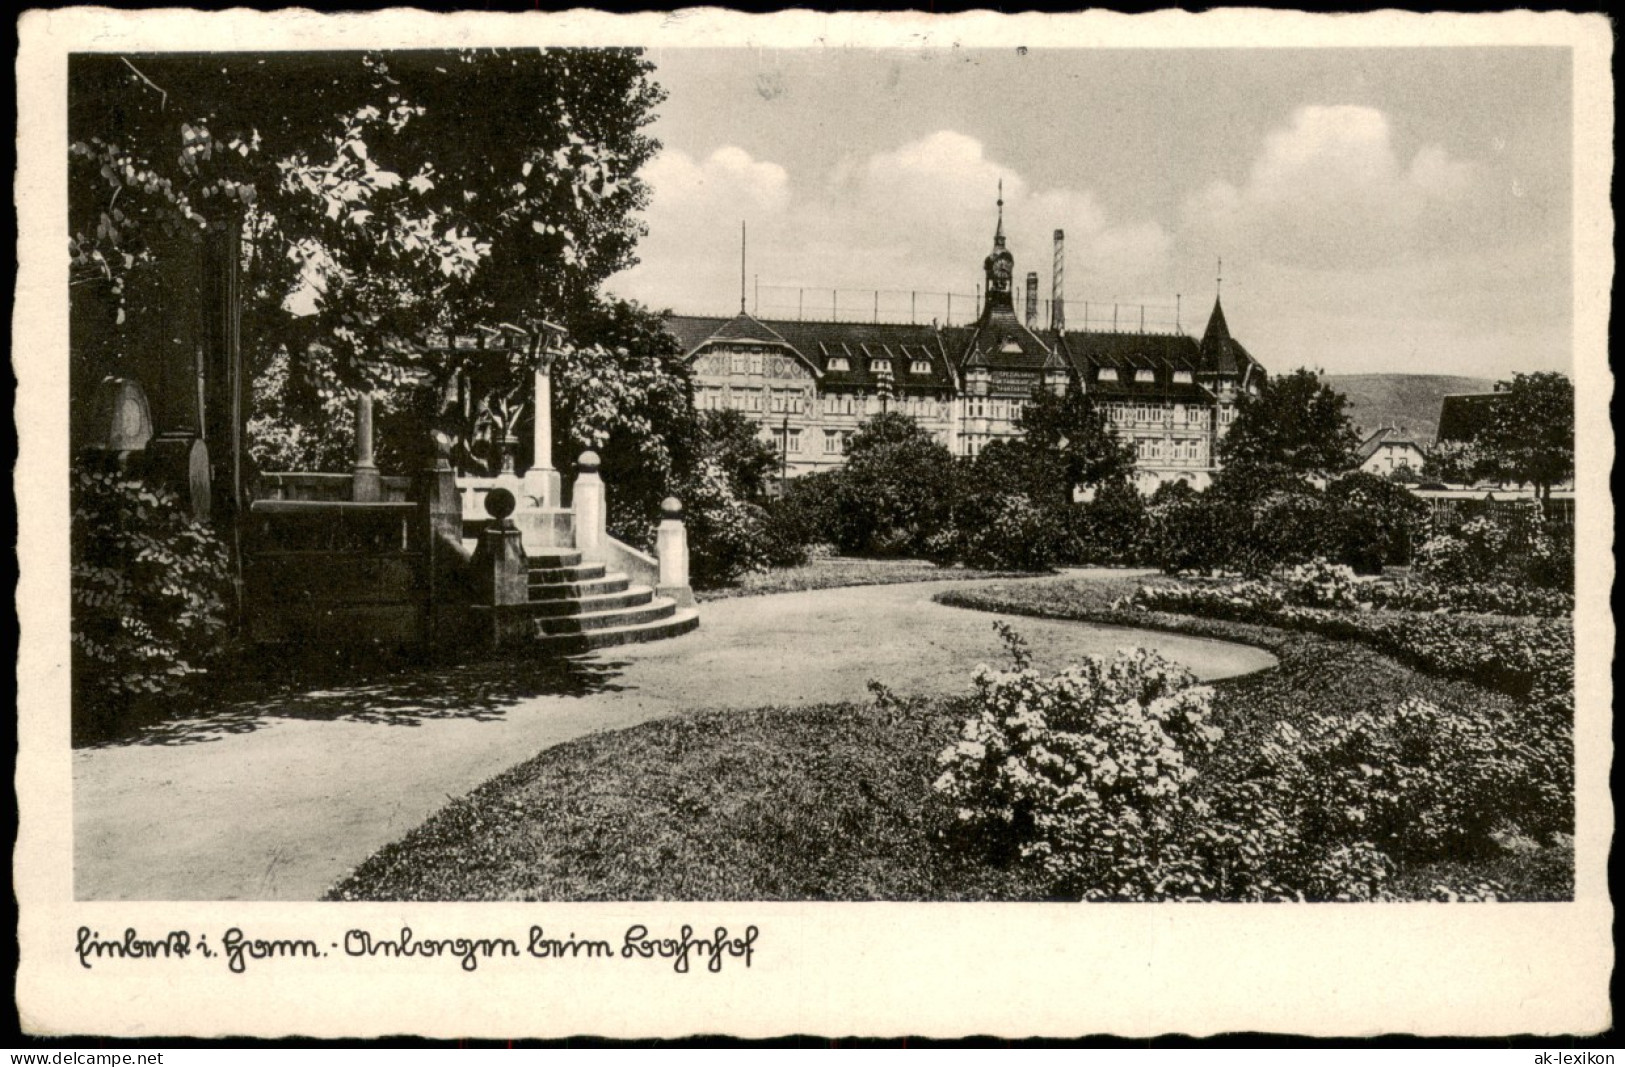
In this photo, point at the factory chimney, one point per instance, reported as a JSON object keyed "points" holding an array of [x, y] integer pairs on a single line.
{"points": [[1032, 300], [1057, 299]]}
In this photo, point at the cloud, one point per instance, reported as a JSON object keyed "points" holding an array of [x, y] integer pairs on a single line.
{"points": [[728, 176], [919, 216], [1331, 190]]}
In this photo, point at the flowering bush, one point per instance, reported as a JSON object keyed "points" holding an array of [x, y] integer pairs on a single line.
{"points": [[1112, 781], [1509, 545], [1085, 773], [1318, 584], [150, 589], [1479, 598]]}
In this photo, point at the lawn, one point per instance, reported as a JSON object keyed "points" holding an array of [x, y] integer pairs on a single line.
{"points": [[835, 802], [844, 571]]}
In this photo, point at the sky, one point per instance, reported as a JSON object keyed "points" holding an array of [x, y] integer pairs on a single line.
{"points": [[1375, 210]]}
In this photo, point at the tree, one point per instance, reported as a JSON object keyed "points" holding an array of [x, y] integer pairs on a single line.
{"points": [[1296, 424], [379, 196], [1449, 461], [622, 390], [735, 442], [1404, 474], [1529, 434], [391, 192], [1072, 427], [896, 488]]}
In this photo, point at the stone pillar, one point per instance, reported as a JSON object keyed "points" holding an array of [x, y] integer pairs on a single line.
{"points": [[542, 480], [440, 510], [366, 485], [671, 547], [501, 572], [587, 499]]}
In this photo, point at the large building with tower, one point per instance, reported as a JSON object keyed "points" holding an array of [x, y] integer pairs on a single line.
{"points": [[810, 384]]}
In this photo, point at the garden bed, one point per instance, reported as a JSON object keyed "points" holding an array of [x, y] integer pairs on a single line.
{"points": [[835, 802]]}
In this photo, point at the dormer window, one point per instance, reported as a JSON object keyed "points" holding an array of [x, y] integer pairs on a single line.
{"points": [[1182, 377], [1107, 374], [920, 366], [1143, 375], [879, 366], [1010, 348], [839, 363]]}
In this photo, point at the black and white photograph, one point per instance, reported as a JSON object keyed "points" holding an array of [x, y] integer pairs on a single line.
{"points": [[737, 498]]}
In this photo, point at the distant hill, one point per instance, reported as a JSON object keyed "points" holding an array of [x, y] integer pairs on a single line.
{"points": [[1410, 400]]}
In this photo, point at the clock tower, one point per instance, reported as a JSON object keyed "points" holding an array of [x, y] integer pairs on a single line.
{"points": [[999, 266]]}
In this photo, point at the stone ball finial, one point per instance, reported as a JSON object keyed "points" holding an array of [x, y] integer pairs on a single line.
{"points": [[588, 463], [499, 503], [671, 509]]}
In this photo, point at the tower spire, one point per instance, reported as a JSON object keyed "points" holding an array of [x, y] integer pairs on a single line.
{"points": [[1218, 279], [998, 232]]}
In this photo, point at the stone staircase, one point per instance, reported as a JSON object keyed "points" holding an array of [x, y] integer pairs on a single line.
{"points": [[575, 606]]}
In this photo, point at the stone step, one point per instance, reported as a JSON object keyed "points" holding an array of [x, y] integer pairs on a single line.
{"points": [[634, 597], [609, 583], [681, 621], [577, 572], [656, 609], [542, 558]]}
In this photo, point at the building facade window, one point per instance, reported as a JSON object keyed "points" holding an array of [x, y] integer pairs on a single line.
{"points": [[832, 443]]}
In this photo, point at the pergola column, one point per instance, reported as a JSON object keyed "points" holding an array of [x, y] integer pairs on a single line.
{"points": [[366, 485], [542, 479]]}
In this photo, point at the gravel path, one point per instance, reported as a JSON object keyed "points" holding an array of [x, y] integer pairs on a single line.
{"points": [[279, 799]]}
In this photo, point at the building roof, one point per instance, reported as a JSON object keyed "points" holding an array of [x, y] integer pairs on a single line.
{"points": [[1387, 435], [1222, 354], [1175, 361], [867, 347], [1462, 415]]}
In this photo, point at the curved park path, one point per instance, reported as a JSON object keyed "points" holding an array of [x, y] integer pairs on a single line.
{"points": [[278, 799]]}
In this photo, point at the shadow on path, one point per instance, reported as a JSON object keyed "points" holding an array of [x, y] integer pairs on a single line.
{"points": [[479, 692]]}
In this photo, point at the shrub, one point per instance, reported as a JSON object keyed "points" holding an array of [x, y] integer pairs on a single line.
{"points": [[1194, 532], [725, 534], [1507, 544], [1319, 584], [784, 537], [895, 490], [1518, 656], [1373, 522], [1007, 531], [1084, 773], [150, 590], [1482, 598], [1412, 783], [811, 507], [1112, 529]]}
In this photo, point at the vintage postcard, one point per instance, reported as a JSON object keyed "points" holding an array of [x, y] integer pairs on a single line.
{"points": [[868, 524]]}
